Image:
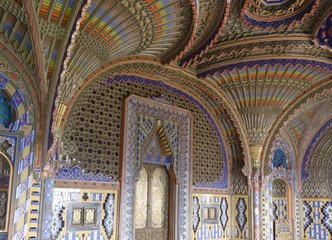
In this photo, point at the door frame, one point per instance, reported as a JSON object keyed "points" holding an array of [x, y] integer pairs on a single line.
{"points": [[133, 107]]}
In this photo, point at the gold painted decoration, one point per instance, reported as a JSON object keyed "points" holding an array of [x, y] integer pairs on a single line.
{"points": [[141, 199], [77, 215], [90, 216], [158, 197]]}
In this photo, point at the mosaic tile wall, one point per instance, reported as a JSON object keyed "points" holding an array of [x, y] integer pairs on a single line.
{"points": [[279, 208], [68, 226], [241, 217], [94, 126], [26, 213], [317, 219], [211, 217]]}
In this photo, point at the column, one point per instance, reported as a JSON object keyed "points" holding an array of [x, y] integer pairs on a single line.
{"points": [[255, 188]]}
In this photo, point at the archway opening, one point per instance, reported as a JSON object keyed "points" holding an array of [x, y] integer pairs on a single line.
{"points": [[6, 173]]}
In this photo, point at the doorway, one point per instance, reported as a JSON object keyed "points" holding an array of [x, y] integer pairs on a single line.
{"points": [[151, 203]]}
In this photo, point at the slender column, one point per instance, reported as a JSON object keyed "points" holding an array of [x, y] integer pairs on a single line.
{"points": [[256, 185]]}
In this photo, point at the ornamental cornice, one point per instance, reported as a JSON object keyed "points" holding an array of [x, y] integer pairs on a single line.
{"points": [[270, 48], [266, 81], [260, 110]]}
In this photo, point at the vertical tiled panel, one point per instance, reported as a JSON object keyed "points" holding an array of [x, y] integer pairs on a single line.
{"points": [[317, 219], [279, 208], [205, 225], [241, 217], [62, 197]]}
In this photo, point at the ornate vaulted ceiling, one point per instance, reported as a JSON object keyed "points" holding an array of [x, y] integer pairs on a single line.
{"points": [[257, 65]]}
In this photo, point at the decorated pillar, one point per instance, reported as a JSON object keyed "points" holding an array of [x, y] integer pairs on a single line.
{"points": [[255, 188]]}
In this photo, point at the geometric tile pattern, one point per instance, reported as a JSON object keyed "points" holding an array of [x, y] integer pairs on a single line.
{"points": [[196, 218], [241, 216], [3, 81], [204, 229], [317, 219], [17, 99], [47, 215], [56, 219], [65, 200], [23, 120], [25, 162], [21, 210], [21, 233], [71, 236], [279, 208], [224, 213], [27, 139], [23, 186], [108, 222], [76, 173], [327, 213], [283, 229], [3, 207], [95, 236], [6, 113]]}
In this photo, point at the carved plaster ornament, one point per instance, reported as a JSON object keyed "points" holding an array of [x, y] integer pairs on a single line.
{"points": [[266, 9]]}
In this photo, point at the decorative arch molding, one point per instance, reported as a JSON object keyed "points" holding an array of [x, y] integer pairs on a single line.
{"points": [[323, 65], [290, 12], [134, 107], [320, 90], [18, 102], [209, 96], [306, 160]]}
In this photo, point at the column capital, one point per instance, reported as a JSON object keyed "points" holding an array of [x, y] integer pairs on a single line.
{"points": [[256, 151]]}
